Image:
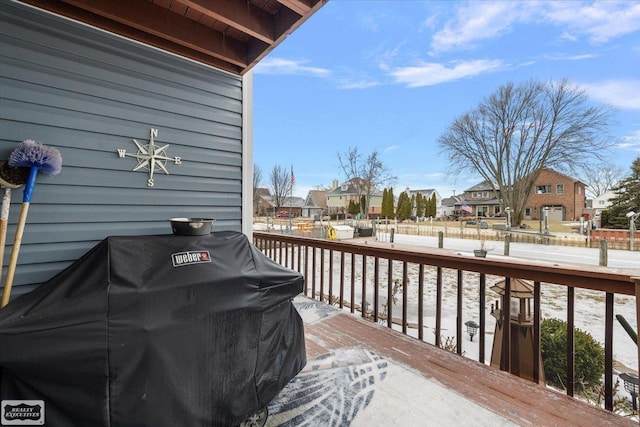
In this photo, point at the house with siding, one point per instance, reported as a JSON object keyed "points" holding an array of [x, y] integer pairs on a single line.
{"points": [[603, 201], [315, 204], [100, 82], [339, 197], [451, 206], [599, 204], [428, 195], [481, 198]]}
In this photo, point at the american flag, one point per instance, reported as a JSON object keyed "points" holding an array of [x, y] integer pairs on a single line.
{"points": [[293, 177], [466, 208]]}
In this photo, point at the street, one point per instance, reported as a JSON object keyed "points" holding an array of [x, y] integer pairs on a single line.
{"points": [[591, 256]]}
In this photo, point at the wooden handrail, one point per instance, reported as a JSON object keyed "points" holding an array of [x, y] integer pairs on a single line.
{"points": [[607, 279]]}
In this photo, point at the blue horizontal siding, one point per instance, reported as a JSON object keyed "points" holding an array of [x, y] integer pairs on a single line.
{"points": [[89, 93]]}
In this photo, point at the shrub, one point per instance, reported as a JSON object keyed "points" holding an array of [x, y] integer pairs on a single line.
{"points": [[589, 355]]}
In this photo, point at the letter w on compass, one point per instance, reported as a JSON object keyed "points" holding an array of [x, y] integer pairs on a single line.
{"points": [[150, 157]]}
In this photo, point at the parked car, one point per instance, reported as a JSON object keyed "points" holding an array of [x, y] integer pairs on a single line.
{"points": [[283, 214]]}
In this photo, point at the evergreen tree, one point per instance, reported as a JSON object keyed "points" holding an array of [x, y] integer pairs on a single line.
{"points": [[385, 196], [392, 202], [363, 208], [434, 206], [419, 205], [383, 208], [427, 207], [399, 205], [627, 199], [353, 208], [413, 204], [404, 206], [387, 203]]}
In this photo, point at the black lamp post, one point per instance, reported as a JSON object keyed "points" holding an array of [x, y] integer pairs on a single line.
{"points": [[631, 385], [472, 328]]}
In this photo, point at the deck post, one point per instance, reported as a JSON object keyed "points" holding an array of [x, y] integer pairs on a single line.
{"points": [[636, 280]]}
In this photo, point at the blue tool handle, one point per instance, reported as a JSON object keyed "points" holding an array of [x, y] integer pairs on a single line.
{"points": [[28, 187]]}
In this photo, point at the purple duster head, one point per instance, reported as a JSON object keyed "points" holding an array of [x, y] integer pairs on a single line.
{"points": [[30, 153]]}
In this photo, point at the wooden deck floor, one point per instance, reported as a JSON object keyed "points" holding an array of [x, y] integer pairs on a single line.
{"points": [[516, 400]]}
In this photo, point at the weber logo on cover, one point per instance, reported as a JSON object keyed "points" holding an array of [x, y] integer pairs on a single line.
{"points": [[192, 257], [22, 413]]}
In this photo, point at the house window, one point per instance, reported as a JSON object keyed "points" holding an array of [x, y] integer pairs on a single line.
{"points": [[559, 188], [543, 189], [479, 195], [601, 202], [527, 212]]}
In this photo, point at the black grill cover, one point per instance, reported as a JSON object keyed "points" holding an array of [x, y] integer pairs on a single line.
{"points": [[155, 331]]}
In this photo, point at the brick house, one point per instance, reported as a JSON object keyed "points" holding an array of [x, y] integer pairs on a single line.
{"points": [[562, 195], [262, 203]]}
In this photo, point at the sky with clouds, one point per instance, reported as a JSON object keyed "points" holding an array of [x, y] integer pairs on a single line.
{"points": [[391, 76]]}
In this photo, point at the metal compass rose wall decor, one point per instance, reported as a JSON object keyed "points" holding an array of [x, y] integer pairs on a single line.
{"points": [[150, 157]]}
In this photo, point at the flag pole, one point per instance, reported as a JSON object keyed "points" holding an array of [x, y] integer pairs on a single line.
{"points": [[291, 200]]}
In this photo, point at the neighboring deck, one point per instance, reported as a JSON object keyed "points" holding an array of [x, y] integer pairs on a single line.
{"points": [[432, 387]]}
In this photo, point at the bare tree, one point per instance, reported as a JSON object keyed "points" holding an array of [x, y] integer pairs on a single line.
{"points": [[257, 181], [601, 178], [281, 183], [518, 130], [367, 175]]}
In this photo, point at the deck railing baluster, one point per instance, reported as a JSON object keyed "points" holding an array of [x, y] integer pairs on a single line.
{"points": [[482, 310], [331, 276], [405, 280], [608, 352], [306, 270], [313, 282], [286, 254], [342, 279], [353, 283], [505, 364], [376, 288], [571, 349], [421, 302], [322, 275], [459, 314], [536, 332], [363, 306], [390, 294], [438, 306]]}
